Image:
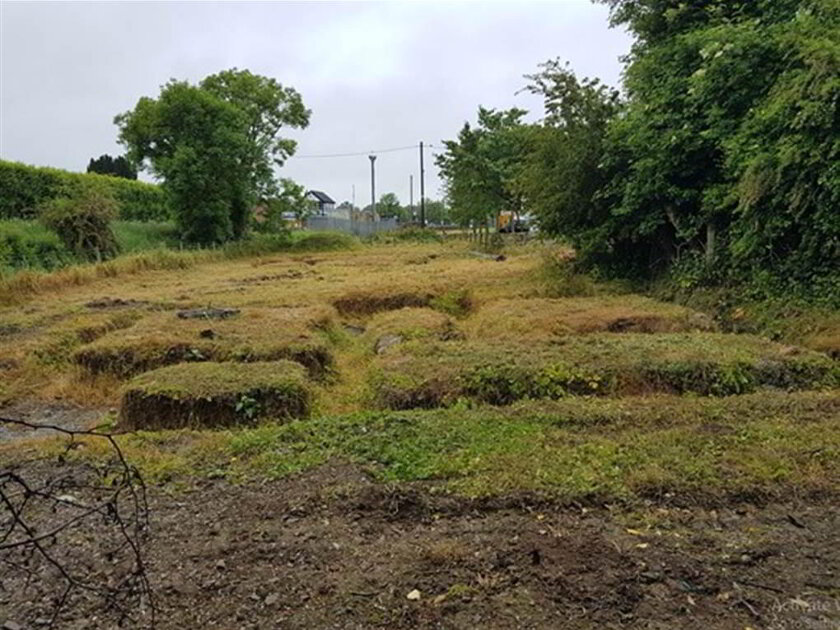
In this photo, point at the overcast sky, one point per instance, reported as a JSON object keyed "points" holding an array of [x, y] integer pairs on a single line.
{"points": [[376, 75]]}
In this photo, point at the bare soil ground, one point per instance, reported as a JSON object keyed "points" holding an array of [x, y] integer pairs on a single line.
{"points": [[332, 549]]}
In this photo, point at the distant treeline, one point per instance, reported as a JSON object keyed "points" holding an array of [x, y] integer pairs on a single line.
{"points": [[23, 189]]}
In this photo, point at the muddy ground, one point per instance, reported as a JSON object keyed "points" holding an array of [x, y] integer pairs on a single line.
{"points": [[332, 549]]}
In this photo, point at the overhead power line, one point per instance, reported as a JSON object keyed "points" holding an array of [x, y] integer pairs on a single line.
{"points": [[356, 153]]}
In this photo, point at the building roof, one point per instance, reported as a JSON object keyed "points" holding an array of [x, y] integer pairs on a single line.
{"points": [[321, 196]]}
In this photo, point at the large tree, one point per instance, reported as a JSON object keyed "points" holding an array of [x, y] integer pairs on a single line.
{"points": [[215, 146]]}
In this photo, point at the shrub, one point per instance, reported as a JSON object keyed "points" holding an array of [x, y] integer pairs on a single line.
{"points": [[26, 188], [84, 223]]}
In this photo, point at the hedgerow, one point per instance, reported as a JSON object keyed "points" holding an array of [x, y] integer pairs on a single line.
{"points": [[24, 188]]}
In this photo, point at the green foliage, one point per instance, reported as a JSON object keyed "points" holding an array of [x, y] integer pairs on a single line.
{"points": [[25, 188], [389, 207], [215, 146], [139, 236], [561, 174], [480, 167], [83, 223], [437, 212], [30, 245], [106, 165], [290, 199], [721, 161]]}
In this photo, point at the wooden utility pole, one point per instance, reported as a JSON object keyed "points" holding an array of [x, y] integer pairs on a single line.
{"points": [[372, 187], [422, 190]]}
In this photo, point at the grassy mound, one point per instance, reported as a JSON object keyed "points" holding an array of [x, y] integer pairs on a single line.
{"points": [[543, 318], [425, 374], [215, 394], [257, 334], [410, 323]]}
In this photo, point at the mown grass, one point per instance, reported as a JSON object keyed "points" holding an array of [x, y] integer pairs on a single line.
{"points": [[256, 334], [471, 333], [758, 446], [18, 286], [429, 374]]}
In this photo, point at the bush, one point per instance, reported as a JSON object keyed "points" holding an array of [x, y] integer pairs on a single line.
{"points": [[84, 223], [30, 245], [26, 188]]}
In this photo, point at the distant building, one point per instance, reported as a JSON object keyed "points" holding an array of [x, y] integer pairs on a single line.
{"points": [[324, 204]]}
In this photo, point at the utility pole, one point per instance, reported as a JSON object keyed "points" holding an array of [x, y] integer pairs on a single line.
{"points": [[411, 195], [422, 190], [372, 187]]}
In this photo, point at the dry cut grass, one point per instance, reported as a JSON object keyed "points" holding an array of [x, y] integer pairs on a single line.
{"points": [[535, 319], [256, 334]]}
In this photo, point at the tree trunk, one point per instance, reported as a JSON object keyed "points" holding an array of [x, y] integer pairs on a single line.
{"points": [[711, 234]]}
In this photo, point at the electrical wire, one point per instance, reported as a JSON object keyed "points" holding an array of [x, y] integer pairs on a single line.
{"points": [[357, 153]]}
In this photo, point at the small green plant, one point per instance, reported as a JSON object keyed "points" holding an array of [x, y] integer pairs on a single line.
{"points": [[248, 406]]}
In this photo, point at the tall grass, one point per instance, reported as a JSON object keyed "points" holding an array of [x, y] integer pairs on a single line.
{"points": [[30, 245], [139, 236]]}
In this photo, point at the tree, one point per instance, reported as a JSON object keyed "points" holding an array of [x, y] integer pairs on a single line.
{"points": [[480, 167], [561, 175], [107, 165], [290, 199], [725, 148], [437, 212], [389, 206], [215, 146]]}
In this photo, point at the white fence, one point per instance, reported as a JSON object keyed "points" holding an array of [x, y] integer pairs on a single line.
{"points": [[359, 228]]}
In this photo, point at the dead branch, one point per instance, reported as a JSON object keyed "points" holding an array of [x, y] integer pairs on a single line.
{"points": [[49, 517]]}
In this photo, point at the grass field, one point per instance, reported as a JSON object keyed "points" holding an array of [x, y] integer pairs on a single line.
{"points": [[423, 368]]}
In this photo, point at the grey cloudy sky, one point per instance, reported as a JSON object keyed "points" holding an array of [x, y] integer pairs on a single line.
{"points": [[376, 75]]}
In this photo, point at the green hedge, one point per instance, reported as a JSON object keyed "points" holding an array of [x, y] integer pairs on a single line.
{"points": [[23, 188]]}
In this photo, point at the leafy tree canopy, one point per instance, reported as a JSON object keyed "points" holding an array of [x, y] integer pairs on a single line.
{"points": [[107, 165], [214, 145]]}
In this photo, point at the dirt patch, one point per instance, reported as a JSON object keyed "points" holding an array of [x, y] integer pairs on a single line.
{"points": [[215, 394], [367, 303], [330, 549], [109, 302], [59, 414], [208, 313], [291, 274]]}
